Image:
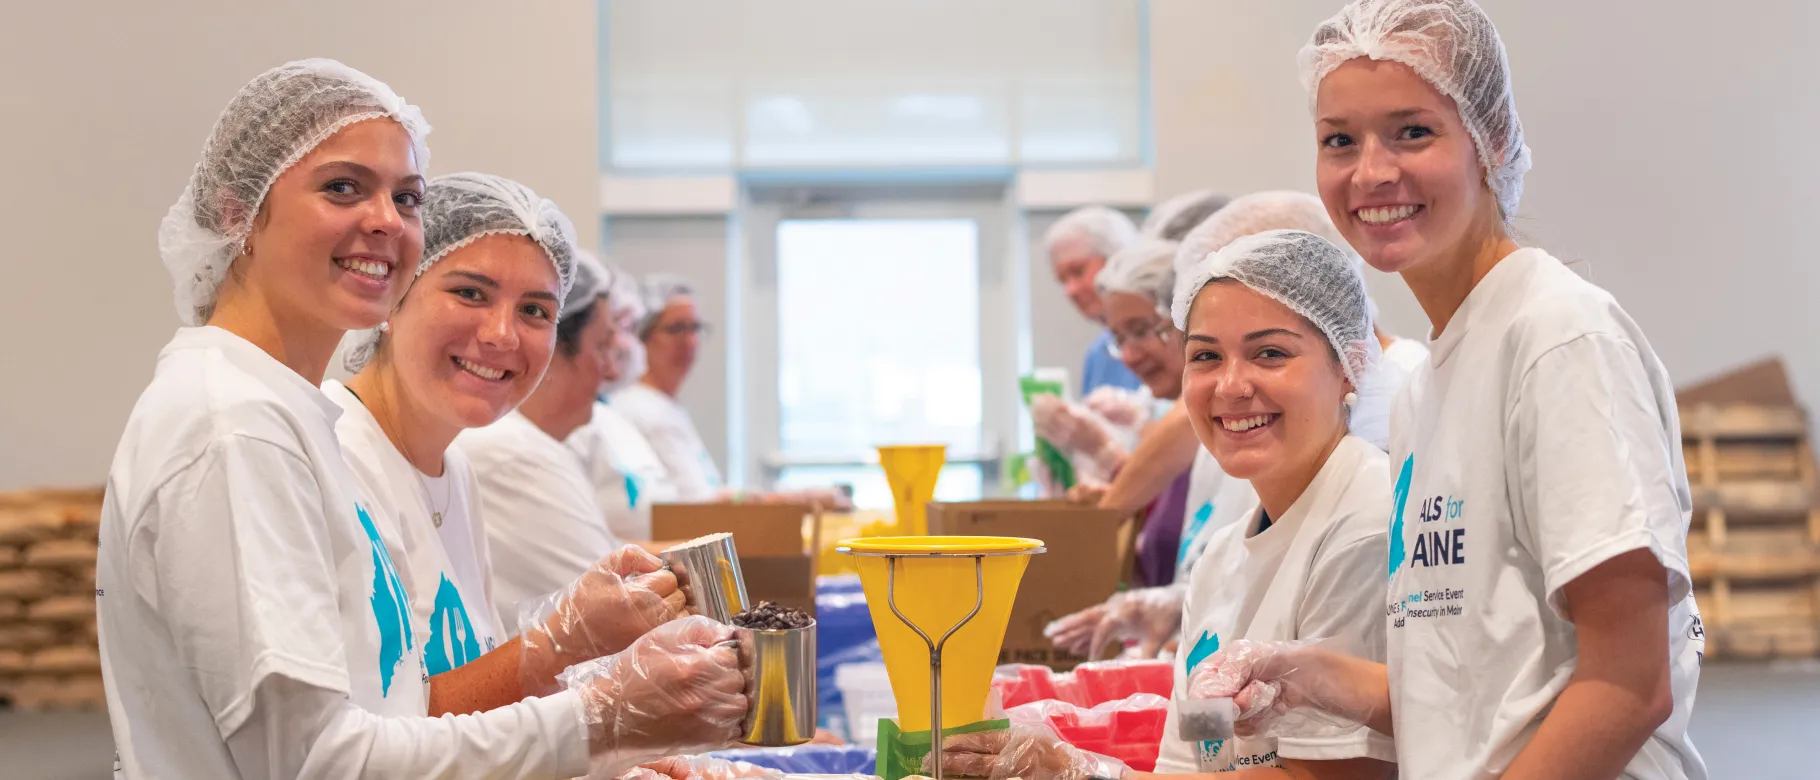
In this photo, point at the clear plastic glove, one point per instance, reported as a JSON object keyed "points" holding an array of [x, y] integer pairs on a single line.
{"points": [[1152, 617], [1076, 431], [697, 768], [677, 690], [1028, 752], [602, 612], [1118, 406], [1279, 688], [1074, 633]]}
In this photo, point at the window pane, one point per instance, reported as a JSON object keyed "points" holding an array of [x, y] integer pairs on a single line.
{"points": [[878, 335]]}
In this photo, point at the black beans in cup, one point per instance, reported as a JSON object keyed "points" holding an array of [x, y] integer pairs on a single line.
{"points": [[768, 616]]}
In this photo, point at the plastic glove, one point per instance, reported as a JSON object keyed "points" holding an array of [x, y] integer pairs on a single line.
{"points": [[1118, 406], [1074, 633], [1150, 616], [1028, 752], [1281, 688], [697, 768], [1076, 431], [602, 612], [678, 689]]}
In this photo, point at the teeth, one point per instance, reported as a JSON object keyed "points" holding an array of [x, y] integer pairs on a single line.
{"points": [[478, 370], [372, 268], [1241, 424], [1381, 215]]}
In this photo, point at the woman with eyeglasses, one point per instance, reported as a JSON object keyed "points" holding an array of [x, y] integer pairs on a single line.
{"points": [[671, 331]]}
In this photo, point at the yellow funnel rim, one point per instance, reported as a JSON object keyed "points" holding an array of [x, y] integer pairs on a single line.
{"points": [[954, 545]]}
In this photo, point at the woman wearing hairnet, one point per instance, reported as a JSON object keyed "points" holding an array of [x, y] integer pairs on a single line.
{"points": [[628, 475], [471, 338], [1277, 338], [253, 622], [1152, 617], [1540, 617]]}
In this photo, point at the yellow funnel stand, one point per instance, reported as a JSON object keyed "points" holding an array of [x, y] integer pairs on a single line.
{"points": [[912, 471], [941, 605]]}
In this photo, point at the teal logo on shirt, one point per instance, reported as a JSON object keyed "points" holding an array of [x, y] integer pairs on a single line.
{"points": [[1208, 751], [452, 641], [1399, 553], [1195, 525], [389, 606], [631, 491]]}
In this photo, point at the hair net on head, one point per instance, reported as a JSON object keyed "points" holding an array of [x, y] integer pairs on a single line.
{"points": [[1306, 273], [1146, 269], [1453, 45], [1255, 213], [1173, 218], [1106, 230], [460, 208], [270, 124], [627, 307], [592, 280], [659, 290]]}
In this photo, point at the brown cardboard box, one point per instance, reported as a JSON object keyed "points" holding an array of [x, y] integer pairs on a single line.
{"points": [[772, 557], [1088, 551]]}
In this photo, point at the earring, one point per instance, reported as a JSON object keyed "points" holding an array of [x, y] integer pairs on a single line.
{"points": [[385, 326], [1350, 399]]}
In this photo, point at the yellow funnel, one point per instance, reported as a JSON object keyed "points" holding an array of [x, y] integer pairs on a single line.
{"points": [[912, 471], [937, 593]]}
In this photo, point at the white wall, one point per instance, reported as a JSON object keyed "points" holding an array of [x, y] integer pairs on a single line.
{"points": [[1672, 146], [106, 106]]}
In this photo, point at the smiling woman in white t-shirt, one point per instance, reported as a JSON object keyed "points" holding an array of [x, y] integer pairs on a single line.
{"points": [[1276, 337], [1540, 617], [465, 346], [253, 623]]}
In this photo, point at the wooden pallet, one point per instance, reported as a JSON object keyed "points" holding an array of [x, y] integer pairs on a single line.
{"points": [[1754, 547], [48, 657]]}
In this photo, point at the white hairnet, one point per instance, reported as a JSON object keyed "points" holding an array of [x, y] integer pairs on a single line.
{"points": [[658, 291], [1453, 45], [592, 280], [1173, 218], [270, 124], [1106, 230], [627, 307], [1308, 274], [1256, 213], [458, 209], [1146, 269]]}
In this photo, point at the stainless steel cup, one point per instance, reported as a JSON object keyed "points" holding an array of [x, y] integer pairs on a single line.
{"points": [[707, 570], [782, 699]]}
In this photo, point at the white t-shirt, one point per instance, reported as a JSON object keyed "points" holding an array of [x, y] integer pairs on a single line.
{"points": [[1214, 501], [446, 567], [252, 621], [1540, 441], [627, 474], [1371, 413], [1307, 576], [543, 524], [670, 432]]}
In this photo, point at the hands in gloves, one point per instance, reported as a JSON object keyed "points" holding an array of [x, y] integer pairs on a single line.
{"points": [[1028, 752], [1150, 616], [697, 768], [678, 689], [1076, 431], [606, 609]]}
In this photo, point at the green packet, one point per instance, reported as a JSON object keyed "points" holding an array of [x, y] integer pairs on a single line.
{"points": [[1053, 459], [901, 753]]}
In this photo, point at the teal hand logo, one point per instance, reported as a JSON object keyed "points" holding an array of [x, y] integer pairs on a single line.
{"points": [[631, 491], [452, 641], [390, 606], [1401, 497], [1195, 525], [1204, 647]]}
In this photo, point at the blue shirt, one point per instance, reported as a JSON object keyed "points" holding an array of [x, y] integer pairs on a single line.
{"points": [[1101, 368]]}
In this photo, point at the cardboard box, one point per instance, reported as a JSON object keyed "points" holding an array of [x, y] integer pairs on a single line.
{"points": [[1088, 555], [773, 558]]}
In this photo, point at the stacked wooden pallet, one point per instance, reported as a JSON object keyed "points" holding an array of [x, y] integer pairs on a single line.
{"points": [[48, 656], [1754, 547]]}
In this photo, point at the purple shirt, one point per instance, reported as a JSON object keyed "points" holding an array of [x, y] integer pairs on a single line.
{"points": [[1160, 541]]}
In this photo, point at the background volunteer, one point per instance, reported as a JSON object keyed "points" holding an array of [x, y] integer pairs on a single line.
{"points": [[1078, 246], [671, 332], [1539, 483]]}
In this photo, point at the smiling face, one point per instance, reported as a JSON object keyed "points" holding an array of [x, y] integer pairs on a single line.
{"points": [[475, 334], [1147, 344], [1263, 389], [1397, 169], [338, 234]]}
